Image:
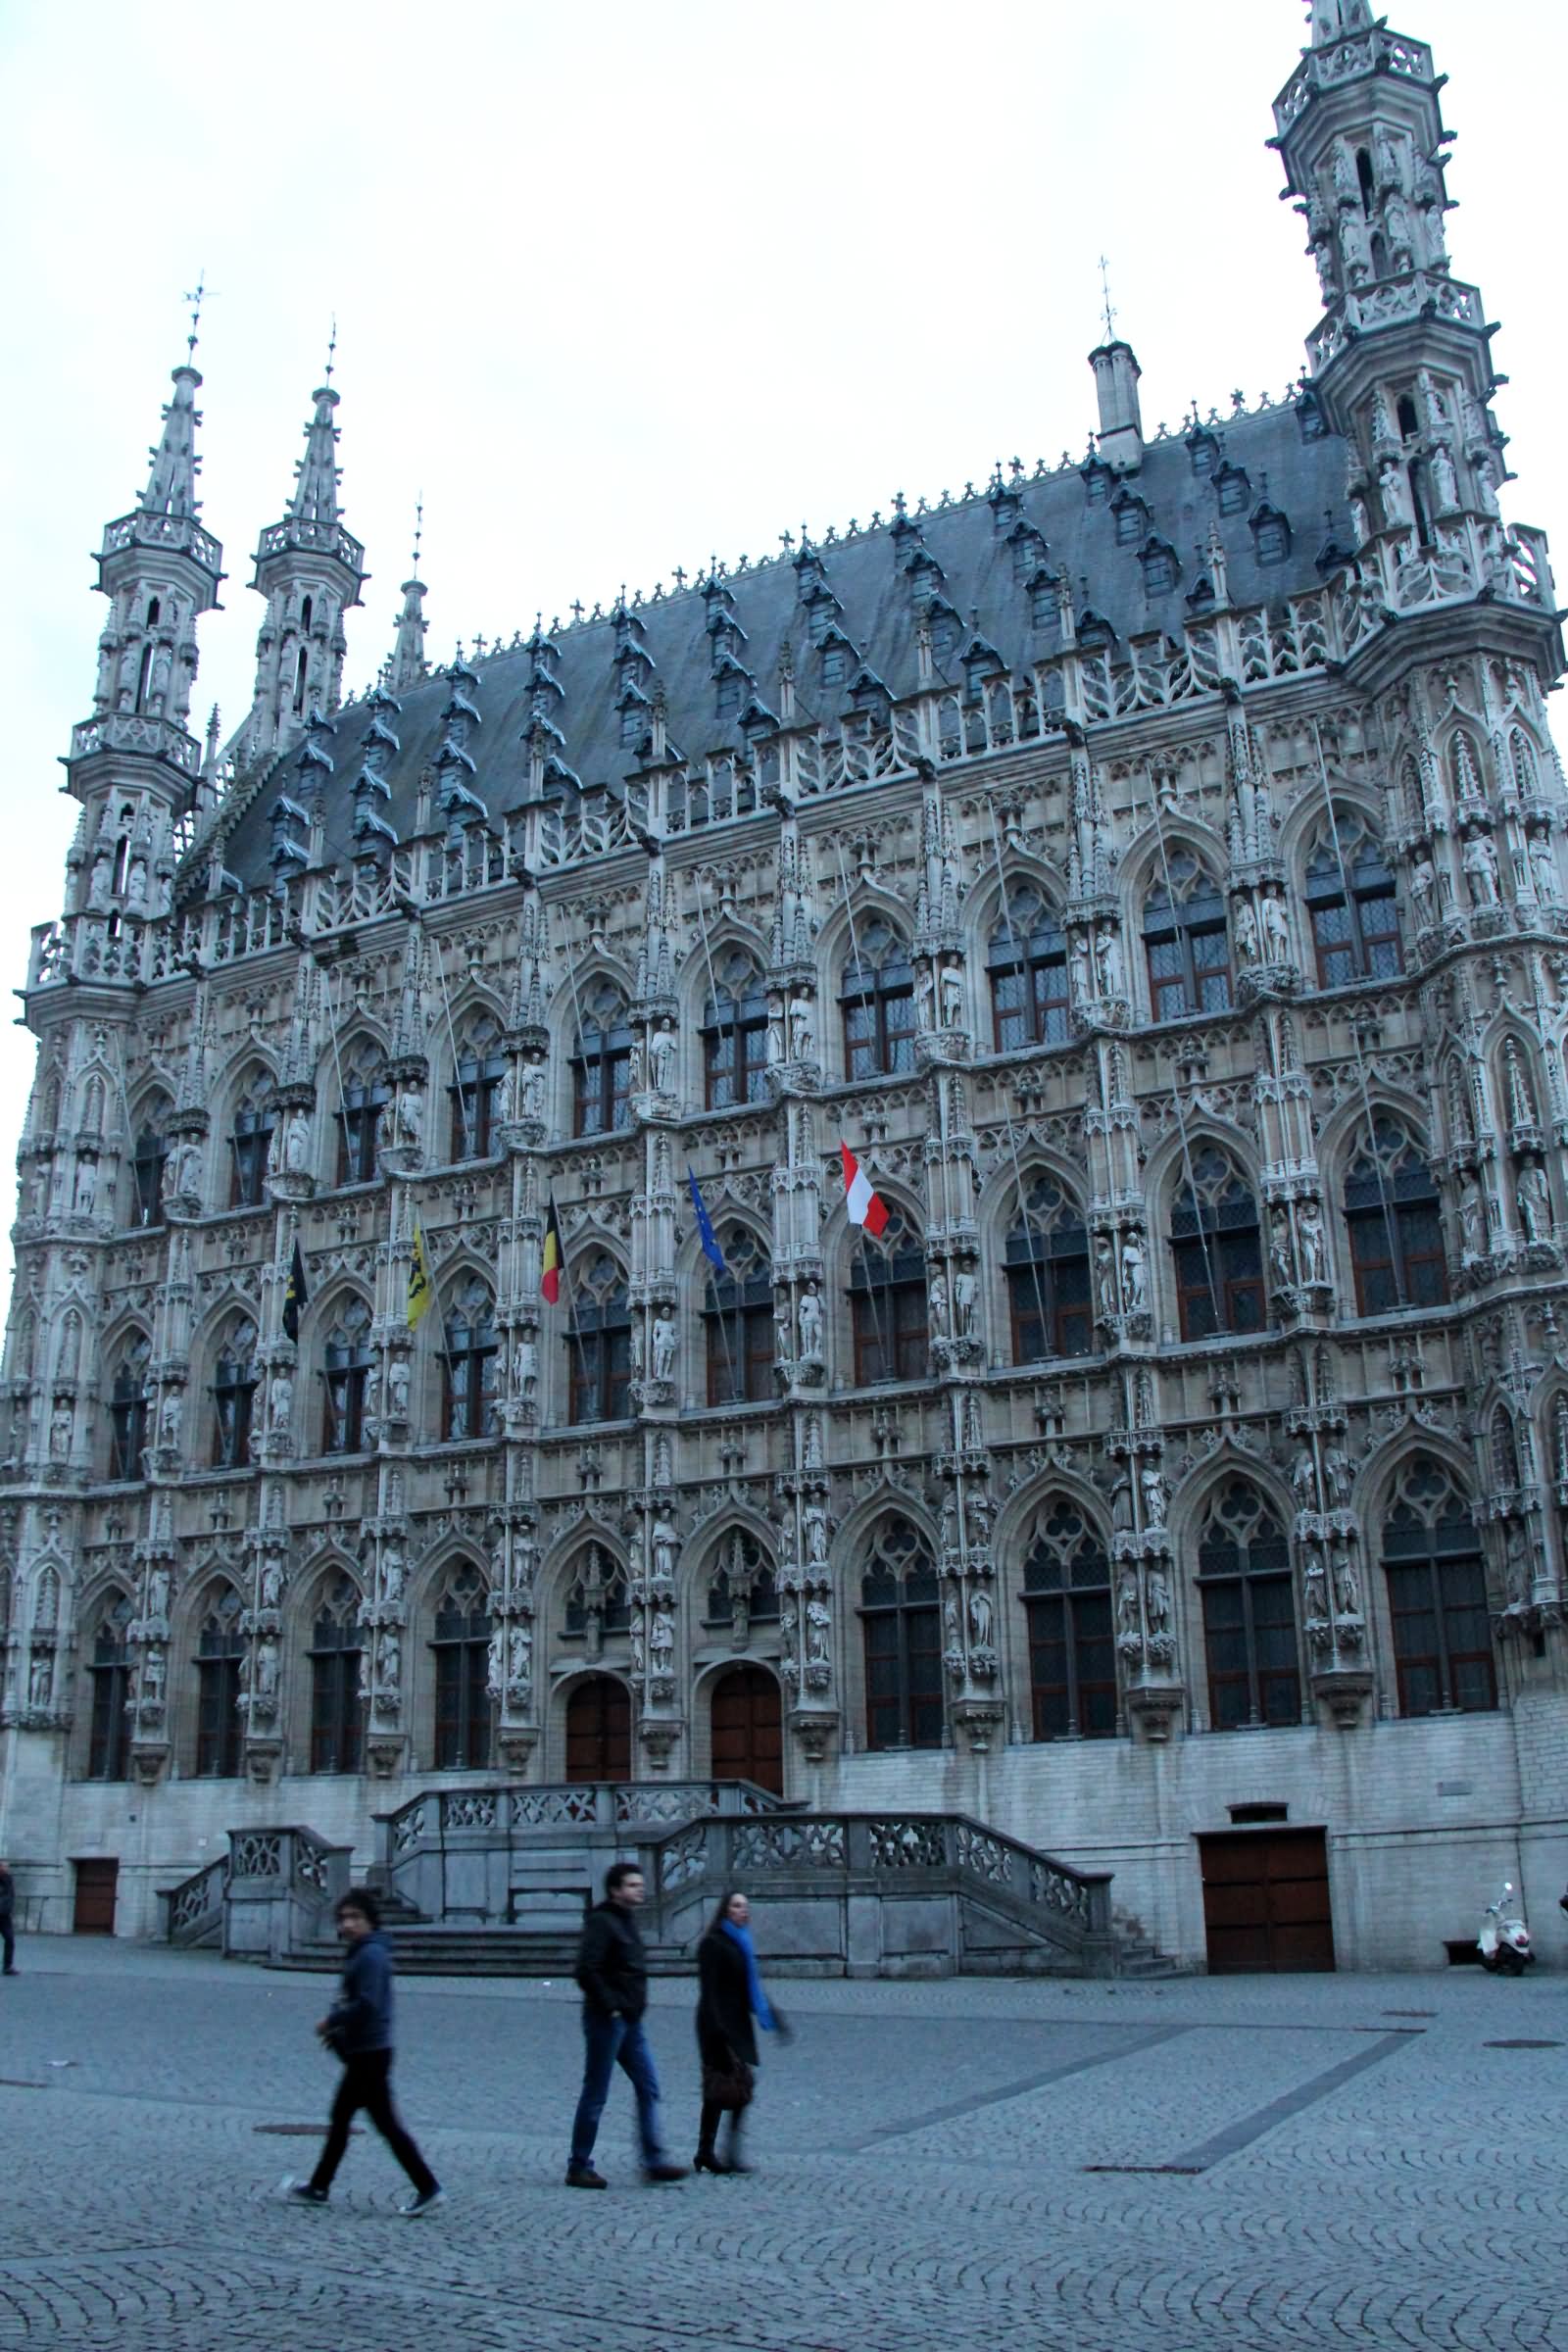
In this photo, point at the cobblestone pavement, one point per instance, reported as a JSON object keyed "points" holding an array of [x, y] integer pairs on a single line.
{"points": [[1229, 2162]]}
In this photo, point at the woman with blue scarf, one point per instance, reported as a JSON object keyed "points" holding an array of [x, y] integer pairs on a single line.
{"points": [[731, 1996]]}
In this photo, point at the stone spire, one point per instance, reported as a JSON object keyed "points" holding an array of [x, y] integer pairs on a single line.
{"points": [[407, 663], [160, 570], [310, 572]]}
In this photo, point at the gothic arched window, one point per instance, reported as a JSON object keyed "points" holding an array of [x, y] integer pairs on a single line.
{"points": [[1186, 942], [469, 1363], [1349, 896], [900, 1619], [1437, 1590], [1244, 1581], [109, 1677], [735, 1033], [1215, 1249], [233, 1395], [743, 1575], [1073, 1649], [365, 1095], [1048, 1274], [336, 1645], [220, 1661], [601, 1066], [1395, 1230], [876, 999], [460, 1647], [345, 1374], [739, 1319], [147, 1166], [1027, 960], [127, 1410], [250, 1140], [887, 1306], [599, 1346], [477, 1082], [598, 1594]]}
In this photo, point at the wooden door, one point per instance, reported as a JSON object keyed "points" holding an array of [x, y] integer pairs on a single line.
{"points": [[598, 1730], [748, 1727], [1266, 1901], [93, 1912]]}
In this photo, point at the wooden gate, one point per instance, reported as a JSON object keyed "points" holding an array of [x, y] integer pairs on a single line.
{"points": [[598, 1730], [93, 1909], [748, 1727], [1266, 1901]]}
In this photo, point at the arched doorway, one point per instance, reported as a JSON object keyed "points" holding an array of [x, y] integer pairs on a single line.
{"points": [[748, 1727], [598, 1730]]}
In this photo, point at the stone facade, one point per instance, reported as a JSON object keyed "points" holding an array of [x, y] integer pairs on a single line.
{"points": [[1150, 867]]}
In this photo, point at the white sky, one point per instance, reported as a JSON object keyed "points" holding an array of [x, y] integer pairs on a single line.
{"points": [[617, 286]]}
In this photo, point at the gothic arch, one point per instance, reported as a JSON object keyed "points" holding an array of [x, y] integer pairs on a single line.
{"points": [[982, 910], [559, 1567], [834, 948], [1302, 820], [842, 1256], [1194, 1501], [1152, 848]]}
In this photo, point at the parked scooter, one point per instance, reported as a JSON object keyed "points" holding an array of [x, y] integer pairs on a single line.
{"points": [[1504, 1940]]}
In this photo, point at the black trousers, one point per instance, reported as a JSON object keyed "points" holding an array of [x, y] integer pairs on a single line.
{"points": [[8, 1939], [366, 2084]]}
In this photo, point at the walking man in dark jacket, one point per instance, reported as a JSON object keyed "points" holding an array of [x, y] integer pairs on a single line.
{"points": [[612, 1972], [357, 2028], [8, 1904]]}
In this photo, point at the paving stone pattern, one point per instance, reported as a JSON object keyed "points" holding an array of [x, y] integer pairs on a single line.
{"points": [[1340, 2172]]}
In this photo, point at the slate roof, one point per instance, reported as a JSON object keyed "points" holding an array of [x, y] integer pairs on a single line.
{"points": [[1292, 467]]}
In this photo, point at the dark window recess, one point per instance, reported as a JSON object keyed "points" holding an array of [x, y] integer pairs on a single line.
{"points": [[1395, 1224], [1437, 1587], [739, 1320], [1073, 1649], [1027, 961], [1258, 1812], [599, 1594], [345, 1374], [220, 1658], [1249, 1602], [459, 1649], [877, 1000], [358, 1129], [1216, 1250], [735, 1035], [1349, 896], [901, 1620], [234, 1397], [601, 1067], [147, 1175], [336, 1646], [249, 1144], [469, 1404], [598, 1347], [1048, 1275], [475, 1091], [128, 1413], [109, 1675], [888, 1306], [1186, 942]]}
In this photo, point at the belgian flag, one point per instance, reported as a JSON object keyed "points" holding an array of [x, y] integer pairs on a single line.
{"points": [[551, 1258], [295, 1295], [419, 1291]]}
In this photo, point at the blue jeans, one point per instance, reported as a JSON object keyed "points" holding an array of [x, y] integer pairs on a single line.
{"points": [[607, 2040]]}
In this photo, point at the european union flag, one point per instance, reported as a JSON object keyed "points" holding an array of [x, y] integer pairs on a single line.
{"points": [[705, 1226]]}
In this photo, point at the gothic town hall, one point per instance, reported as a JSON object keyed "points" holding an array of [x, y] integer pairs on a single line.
{"points": [[1152, 870]]}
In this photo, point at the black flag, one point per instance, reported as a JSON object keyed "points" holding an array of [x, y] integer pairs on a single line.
{"points": [[295, 1297]]}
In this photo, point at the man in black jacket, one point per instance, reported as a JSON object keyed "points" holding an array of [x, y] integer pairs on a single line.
{"points": [[357, 2028], [8, 1898], [612, 1972]]}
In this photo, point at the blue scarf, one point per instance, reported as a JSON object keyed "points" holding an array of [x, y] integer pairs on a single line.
{"points": [[754, 1983]]}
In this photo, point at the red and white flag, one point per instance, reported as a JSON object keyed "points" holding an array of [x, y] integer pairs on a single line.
{"points": [[864, 1206]]}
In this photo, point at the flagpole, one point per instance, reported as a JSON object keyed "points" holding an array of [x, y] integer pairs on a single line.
{"points": [[573, 1324], [719, 1316]]}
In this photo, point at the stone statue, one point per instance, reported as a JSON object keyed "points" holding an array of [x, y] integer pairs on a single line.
{"points": [[951, 996], [1317, 1587], [1155, 1501], [1314, 1245], [662, 1639], [1543, 868], [1276, 929], [411, 1120], [1127, 1599], [803, 1037], [86, 1186], [1303, 1479], [1395, 490], [297, 1144], [519, 1661], [1111, 965], [1246, 932], [1516, 1563], [493, 1661], [61, 1423], [524, 1366], [663, 1343], [938, 1307], [1535, 1202], [266, 1667], [965, 1294], [1481, 870], [154, 1668], [280, 1398], [1083, 976], [1158, 1600], [816, 1519], [925, 998], [1472, 1222], [819, 1626], [169, 1414], [392, 1573], [811, 1319], [979, 1617], [1105, 1279], [666, 1543], [391, 1660], [397, 1387], [40, 1678], [661, 1058], [271, 1588], [532, 1104], [1134, 1275], [158, 1593], [1341, 1478], [1346, 1590], [1121, 1504], [1444, 480]]}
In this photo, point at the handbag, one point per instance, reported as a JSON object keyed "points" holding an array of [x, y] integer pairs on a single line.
{"points": [[728, 2085]]}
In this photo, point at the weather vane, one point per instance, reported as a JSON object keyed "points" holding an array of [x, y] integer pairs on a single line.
{"points": [[1104, 288], [332, 347], [195, 297], [418, 531]]}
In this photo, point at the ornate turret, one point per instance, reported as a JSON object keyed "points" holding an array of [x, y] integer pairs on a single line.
{"points": [[159, 569], [407, 664], [310, 572]]}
